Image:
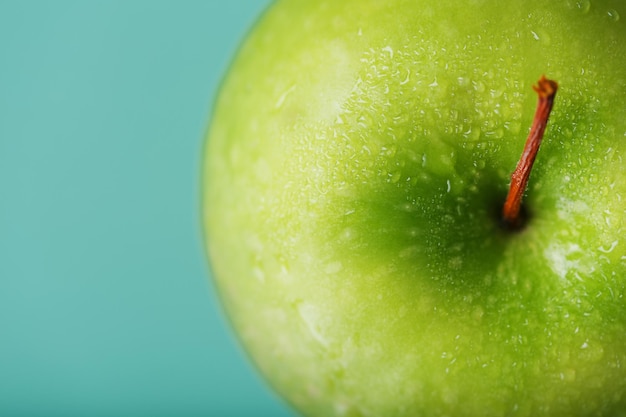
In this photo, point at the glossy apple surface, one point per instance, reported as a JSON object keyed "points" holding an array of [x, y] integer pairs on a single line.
{"points": [[355, 167]]}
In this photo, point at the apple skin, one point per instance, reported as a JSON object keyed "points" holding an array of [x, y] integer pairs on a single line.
{"points": [[354, 168]]}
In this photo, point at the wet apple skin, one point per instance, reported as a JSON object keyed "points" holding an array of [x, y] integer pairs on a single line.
{"points": [[353, 171]]}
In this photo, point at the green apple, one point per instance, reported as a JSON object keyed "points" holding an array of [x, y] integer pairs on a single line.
{"points": [[354, 173]]}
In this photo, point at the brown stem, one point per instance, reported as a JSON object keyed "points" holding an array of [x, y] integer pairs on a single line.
{"points": [[546, 90]]}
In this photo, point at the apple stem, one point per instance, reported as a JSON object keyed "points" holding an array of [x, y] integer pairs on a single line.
{"points": [[546, 90]]}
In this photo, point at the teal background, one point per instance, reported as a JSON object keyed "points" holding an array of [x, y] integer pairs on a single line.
{"points": [[105, 304]]}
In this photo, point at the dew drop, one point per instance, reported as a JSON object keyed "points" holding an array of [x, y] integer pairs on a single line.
{"points": [[394, 177], [591, 352], [568, 375], [513, 126], [472, 133], [413, 232], [568, 133], [407, 207], [583, 5], [479, 87], [463, 81], [477, 314], [480, 164], [347, 234], [613, 15], [389, 50]]}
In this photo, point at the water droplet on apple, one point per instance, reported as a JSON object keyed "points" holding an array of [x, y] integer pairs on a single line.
{"points": [[311, 317], [454, 115], [513, 126], [591, 351], [473, 133], [479, 87], [567, 133], [408, 207], [455, 263], [478, 314], [347, 234], [391, 150], [583, 5], [568, 375], [413, 232], [281, 100], [365, 120], [613, 15], [463, 81], [480, 164]]}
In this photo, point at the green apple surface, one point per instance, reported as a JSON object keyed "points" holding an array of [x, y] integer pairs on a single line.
{"points": [[355, 168]]}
